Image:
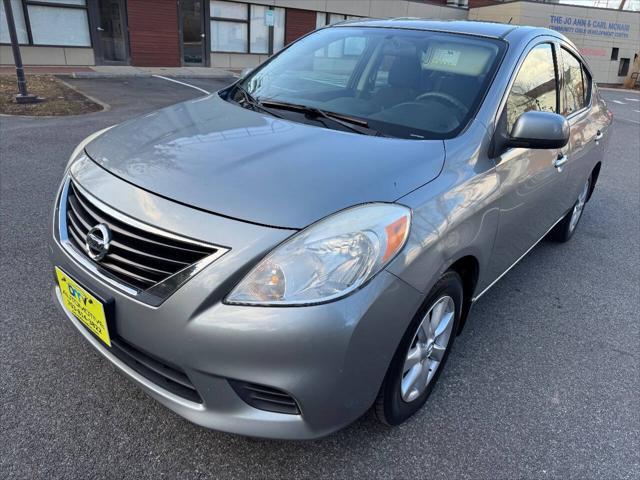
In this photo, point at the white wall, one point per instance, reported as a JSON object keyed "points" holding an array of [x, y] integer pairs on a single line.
{"points": [[372, 8], [48, 55], [593, 30]]}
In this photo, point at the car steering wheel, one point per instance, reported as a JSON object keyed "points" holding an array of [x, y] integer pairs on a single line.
{"points": [[451, 100]]}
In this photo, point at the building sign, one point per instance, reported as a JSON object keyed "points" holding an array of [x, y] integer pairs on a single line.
{"points": [[585, 26], [268, 18]]}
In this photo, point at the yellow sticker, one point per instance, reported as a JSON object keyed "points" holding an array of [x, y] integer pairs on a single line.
{"points": [[84, 306]]}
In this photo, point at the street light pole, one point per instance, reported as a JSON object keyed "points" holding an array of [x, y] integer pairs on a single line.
{"points": [[23, 96]]}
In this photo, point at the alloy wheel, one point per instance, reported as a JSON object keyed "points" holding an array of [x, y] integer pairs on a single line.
{"points": [[428, 348], [579, 207]]}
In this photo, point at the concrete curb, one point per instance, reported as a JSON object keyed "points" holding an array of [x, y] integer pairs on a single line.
{"points": [[105, 106], [89, 75]]}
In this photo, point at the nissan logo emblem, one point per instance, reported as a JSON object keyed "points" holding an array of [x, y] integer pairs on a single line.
{"points": [[97, 241]]}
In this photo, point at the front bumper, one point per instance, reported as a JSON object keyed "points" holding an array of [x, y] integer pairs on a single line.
{"points": [[330, 358]]}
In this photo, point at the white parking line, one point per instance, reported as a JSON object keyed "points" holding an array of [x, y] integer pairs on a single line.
{"points": [[614, 101], [637, 111], [633, 99], [187, 84]]}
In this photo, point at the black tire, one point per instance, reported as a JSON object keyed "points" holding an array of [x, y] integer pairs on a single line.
{"points": [[563, 231], [390, 408]]}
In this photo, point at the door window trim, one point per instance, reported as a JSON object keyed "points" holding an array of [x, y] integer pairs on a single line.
{"points": [[514, 73], [583, 67], [555, 44]]}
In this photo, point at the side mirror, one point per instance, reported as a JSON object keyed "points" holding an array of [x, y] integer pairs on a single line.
{"points": [[535, 129], [246, 71]]}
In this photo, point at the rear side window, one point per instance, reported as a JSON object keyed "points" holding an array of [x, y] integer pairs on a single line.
{"points": [[575, 84], [535, 86]]}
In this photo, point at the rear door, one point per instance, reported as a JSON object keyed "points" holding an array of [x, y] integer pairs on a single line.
{"points": [[532, 187], [586, 119]]}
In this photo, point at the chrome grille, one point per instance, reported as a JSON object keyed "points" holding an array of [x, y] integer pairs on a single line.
{"points": [[139, 258]]}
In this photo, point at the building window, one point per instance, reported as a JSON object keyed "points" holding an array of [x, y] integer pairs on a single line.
{"points": [[242, 28], [623, 69], [324, 18], [336, 18], [258, 30], [229, 26], [278, 29], [72, 25], [614, 53], [62, 23], [18, 19]]}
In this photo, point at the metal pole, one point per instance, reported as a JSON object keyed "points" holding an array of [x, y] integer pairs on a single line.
{"points": [[23, 96]]}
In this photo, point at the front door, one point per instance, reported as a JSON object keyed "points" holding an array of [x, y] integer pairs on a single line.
{"points": [[111, 38], [532, 187], [192, 32]]}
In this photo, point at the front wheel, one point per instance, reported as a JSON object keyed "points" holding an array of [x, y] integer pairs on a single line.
{"points": [[422, 352], [564, 230]]}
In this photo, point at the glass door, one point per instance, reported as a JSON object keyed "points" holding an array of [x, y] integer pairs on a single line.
{"points": [[112, 39], [192, 32]]}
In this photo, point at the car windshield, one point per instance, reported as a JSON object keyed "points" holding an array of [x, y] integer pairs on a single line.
{"points": [[398, 82]]}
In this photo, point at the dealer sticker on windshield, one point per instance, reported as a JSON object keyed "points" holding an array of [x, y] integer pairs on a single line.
{"points": [[446, 57]]}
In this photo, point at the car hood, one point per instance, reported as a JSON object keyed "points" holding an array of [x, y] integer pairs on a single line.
{"points": [[217, 156]]}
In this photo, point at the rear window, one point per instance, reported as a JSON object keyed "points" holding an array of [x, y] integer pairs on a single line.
{"points": [[404, 83]]}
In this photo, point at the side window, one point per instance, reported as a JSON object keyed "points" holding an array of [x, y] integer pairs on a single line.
{"points": [[535, 86], [574, 85]]}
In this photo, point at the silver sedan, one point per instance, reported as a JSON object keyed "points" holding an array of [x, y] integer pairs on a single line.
{"points": [[279, 257]]}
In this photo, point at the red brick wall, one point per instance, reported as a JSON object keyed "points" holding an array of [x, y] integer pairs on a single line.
{"points": [[153, 33], [297, 23]]}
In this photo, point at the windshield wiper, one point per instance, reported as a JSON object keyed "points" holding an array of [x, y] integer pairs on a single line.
{"points": [[250, 100], [354, 124]]}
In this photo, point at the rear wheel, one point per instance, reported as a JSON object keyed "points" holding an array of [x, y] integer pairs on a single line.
{"points": [[422, 353], [564, 230]]}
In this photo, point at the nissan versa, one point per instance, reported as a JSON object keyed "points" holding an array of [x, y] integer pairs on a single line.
{"points": [[279, 257]]}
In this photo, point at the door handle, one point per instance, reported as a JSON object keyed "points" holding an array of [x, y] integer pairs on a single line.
{"points": [[598, 136], [202, 35], [560, 161], [100, 29]]}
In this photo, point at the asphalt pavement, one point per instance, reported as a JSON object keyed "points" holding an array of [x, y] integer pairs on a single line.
{"points": [[544, 382]]}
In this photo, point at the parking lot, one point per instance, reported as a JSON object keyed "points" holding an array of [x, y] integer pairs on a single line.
{"points": [[542, 383]]}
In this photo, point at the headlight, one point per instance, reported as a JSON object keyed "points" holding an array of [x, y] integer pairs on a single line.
{"points": [[329, 259], [80, 148]]}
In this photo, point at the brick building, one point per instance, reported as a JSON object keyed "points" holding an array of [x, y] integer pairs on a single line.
{"points": [[238, 34]]}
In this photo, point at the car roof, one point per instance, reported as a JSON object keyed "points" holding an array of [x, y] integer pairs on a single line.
{"points": [[470, 27]]}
